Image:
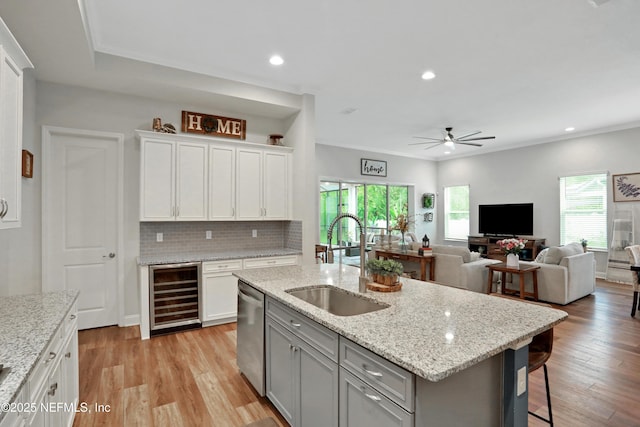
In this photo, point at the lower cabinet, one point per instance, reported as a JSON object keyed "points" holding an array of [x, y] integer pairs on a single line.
{"points": [[302, 383], [219, 291], [363, 406]]}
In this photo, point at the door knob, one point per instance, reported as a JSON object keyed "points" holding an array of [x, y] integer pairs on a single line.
{"points": [[111, 255]]}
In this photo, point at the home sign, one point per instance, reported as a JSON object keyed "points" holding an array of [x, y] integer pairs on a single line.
{"points": [[373, 167], [210, 125]]}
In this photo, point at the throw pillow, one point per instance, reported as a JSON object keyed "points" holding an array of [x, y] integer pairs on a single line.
{"points": [[556, 253], [541, 255]]}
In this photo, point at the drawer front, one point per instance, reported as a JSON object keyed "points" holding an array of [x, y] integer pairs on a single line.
{"points": [[362, 405], [322, 339], [395, 382], [218, 266], [478, 240], [270, 261], [45, 363]]}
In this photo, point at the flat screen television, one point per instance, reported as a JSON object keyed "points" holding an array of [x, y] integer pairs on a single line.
{"points": [[506, 220]]}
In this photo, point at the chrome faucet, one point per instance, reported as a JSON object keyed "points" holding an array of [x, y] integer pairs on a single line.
{"points": [[362, 280]]}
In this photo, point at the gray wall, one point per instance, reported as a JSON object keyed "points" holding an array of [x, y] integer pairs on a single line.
{"points": [[334, 163], [81, 108], [531, 174]]}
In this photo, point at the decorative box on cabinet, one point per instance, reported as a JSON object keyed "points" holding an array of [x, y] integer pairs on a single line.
{"points": [[13, 61]]}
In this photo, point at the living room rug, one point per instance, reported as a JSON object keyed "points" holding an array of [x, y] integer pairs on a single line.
{"points": [[266, 422]]}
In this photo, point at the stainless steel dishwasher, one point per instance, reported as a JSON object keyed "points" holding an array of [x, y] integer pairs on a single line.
{"points": [[250, 335]]}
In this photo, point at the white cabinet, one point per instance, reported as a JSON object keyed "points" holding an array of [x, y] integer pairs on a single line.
{"points": [[187, 178], [262, 185], [301, 368], [12, 62], [219, 291], [53, 386], [173, 180], [222, 182]]}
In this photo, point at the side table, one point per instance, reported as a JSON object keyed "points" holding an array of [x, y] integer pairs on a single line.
{"points": [[520, 271]]}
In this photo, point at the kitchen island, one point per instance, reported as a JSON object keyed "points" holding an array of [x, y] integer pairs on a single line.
{"points": [[466, 350]]}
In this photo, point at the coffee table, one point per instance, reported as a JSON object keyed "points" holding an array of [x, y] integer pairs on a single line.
{"points": [[521, 271]]}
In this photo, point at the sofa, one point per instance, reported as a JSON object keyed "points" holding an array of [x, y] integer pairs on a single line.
{"points": [[566, 274], [458, 267]]}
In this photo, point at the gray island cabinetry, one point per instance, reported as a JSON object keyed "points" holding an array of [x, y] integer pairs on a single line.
{"points": [[433, 355], [301, 367]]}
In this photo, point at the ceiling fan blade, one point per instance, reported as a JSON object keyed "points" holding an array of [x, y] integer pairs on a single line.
{"points": [[425, 142], [432, 139], [477, 139], [468, 135], [469, 143], [433, 146]]}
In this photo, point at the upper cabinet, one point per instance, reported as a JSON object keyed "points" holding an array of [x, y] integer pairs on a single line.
{"points": [[173, 180], [186, 178], [12, 61]]}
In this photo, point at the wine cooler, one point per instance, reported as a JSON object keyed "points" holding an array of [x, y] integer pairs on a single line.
{"points": [[174, 297]]}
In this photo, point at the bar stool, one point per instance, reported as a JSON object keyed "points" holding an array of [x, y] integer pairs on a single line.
{"points": [[321, 253], [634, 258], [539, 352]]}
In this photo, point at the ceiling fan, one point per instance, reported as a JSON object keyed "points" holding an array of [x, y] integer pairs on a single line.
{"points": [[450, 141]]}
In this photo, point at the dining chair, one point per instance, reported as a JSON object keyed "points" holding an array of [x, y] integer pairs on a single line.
{"points": [[634, 258]]}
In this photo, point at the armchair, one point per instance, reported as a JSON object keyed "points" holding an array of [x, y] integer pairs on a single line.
{"points": [[634, 258]]}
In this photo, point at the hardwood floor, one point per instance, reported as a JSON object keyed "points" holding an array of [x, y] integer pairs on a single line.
{"points": [[191, 378]]}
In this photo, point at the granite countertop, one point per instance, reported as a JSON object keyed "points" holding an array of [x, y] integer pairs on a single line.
{"points": [[431, 330], [179, 257], [27, 324]]}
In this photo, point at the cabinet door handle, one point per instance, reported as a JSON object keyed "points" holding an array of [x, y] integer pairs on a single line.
{"points": [[67, 355], [372, 373], [294, 324], [52, 356], [4, 208], [370, 396], [52, 389], [73, 317], [233, 211], [178, 211]]}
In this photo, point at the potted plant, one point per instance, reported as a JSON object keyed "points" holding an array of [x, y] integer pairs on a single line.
{"points": [[384, 271]]}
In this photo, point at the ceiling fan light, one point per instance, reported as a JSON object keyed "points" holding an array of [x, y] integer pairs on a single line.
{"points": [[449, 144]]}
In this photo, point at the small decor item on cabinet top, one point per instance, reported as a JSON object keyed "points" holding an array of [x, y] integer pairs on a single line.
{"points": [[275, 139], [157, 124], [168, 128]]}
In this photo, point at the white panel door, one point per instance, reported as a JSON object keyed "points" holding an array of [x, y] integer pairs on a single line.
{"points": [[82, 210], [222, 169], [191, 181], [275, 186], [249, 184], [157, 181]]}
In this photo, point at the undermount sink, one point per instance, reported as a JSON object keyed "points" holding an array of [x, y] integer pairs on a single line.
{"points": [[337, 301]]}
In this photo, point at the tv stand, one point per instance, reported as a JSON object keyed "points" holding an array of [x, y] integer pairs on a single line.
{"points": [[489, 248]]}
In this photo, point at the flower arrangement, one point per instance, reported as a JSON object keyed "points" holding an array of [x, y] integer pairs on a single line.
{"points": [[512, 246]]}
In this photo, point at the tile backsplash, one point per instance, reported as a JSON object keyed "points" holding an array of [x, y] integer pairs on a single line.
{"points": [[225, 235]]}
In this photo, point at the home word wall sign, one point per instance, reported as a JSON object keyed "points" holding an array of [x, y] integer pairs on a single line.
{"points": [[373, 167], [208, 124]]}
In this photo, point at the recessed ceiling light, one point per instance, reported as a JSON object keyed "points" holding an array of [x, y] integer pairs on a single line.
{"points": [[447, 152], [276, 60], [428, 75], [569, 129]]}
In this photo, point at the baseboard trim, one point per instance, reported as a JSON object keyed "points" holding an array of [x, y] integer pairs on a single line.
{"points": [[131, 320]]}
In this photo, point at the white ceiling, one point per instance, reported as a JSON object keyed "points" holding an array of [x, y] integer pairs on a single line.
{"points": [[520, 70]]}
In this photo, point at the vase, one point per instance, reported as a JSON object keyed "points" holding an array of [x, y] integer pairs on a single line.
{"points": [[403, 245], [513, 260]]}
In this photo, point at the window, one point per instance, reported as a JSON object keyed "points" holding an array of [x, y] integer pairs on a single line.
{"points": [[583, 209], [380, 207], [456, 212]]}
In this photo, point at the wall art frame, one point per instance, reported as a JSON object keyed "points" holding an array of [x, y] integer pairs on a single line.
{"points": [[373, 167], [27, 164], [626, 187]]}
